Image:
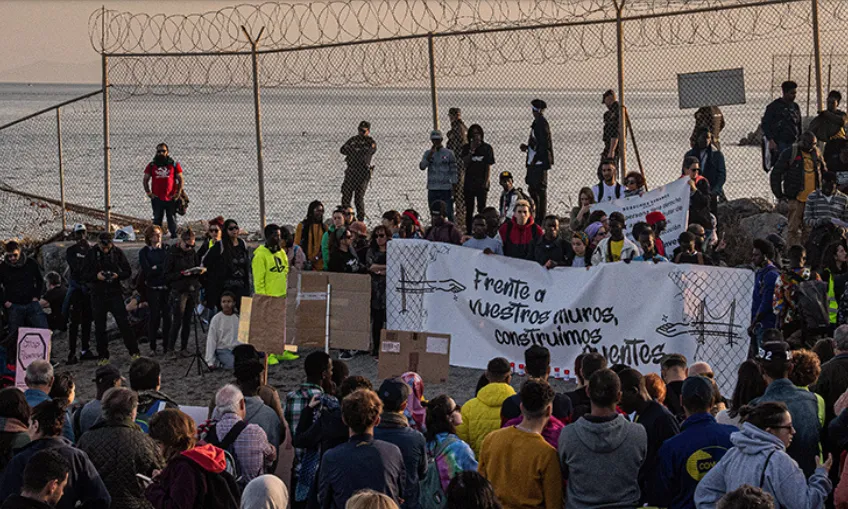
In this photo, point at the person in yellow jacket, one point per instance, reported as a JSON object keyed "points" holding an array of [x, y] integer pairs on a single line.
{"points": [[270, 275], [482, 415]]}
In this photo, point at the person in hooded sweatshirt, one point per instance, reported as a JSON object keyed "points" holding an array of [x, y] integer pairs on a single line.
{"points": [[482, 415], [601, 454], [195, 475], [21, 285], [759, 459], [521, 233], [442, 229]]}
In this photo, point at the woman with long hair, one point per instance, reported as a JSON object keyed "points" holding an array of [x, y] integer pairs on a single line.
{"points": [[212, 236], [309, 233], [342, 256], [195, 475], [580, 214], [151, 258], [228, 263], [835, 273], [470, 490], [580, 248], [375, 260], [758, 458], [449, 452], [749, 385]]}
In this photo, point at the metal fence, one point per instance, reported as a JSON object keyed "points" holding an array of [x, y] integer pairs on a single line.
{"points": [[321, 68]]}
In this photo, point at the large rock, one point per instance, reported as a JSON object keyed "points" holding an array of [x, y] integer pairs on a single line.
{"points": [[761, 225], [736, 210]]}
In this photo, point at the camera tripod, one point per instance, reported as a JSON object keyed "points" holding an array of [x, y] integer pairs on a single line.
{"points": [[198, 356]]}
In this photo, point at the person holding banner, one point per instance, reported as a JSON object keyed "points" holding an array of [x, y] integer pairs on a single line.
{"points": [[270, 275], [520, 234], [551, 250], [649, 248], [616, 247]]}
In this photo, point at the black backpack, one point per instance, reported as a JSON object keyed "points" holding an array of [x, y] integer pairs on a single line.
{"points": [[810, 299], [601, 191], [226, 444]]}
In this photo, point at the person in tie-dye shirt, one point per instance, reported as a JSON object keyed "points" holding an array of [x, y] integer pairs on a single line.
{"points": [[443, 416]]}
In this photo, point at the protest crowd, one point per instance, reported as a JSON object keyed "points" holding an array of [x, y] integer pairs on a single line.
{"points": [[621, 439]]}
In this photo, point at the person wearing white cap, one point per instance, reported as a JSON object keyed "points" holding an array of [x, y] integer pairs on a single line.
{"points": [[442, 172], [540, 158]]}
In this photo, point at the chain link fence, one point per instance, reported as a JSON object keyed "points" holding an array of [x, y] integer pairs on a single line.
{"points": [[324, 67]]}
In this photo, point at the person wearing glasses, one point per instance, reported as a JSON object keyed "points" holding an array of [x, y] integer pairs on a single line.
{"points": [[182, 273], [342, 255], [375, 260], [21, 287], [228, 262], [213, 235], [451, 455], [342, 217], [358, 152], [634, 184], [104, 268], [759, 458], [163, 183]]}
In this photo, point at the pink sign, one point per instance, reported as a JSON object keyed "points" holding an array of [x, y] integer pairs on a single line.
{"points": [[33, 344]]}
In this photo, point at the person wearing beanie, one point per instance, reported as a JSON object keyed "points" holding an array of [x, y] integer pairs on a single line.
{"points": [[656, 220], [482, 414], [442, 172], [687, 457], [394, 429]]}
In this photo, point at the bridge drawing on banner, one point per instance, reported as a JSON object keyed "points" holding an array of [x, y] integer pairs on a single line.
{"points": [[422, 286], [704, 323]]}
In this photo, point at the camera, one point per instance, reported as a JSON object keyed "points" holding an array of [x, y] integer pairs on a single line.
{"points": [[108, 274]]}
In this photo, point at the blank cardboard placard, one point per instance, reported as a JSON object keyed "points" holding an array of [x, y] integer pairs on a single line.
{"points": [[350, 310], [33, 345], [245, 311], [268, 323], [425, 353]]}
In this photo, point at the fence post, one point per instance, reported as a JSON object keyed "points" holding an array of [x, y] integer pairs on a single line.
{"points": [[257, 115], [61, 168], [433, 95], [817, 55], [107, 154], [622, 112]]}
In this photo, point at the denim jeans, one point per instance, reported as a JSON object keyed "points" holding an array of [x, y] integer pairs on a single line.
{"points": [[225, 358], [446, 195], [26, 315], [165, 208], [182, 311]]}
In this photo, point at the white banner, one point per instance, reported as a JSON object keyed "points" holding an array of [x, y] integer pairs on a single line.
{"points": [[671, 199], [634, 314]]}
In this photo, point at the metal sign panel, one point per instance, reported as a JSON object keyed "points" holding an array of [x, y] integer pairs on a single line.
{"points": [[711, 88]]}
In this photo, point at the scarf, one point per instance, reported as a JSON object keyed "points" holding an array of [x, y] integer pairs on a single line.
{"points": [[265, 492], [592, 229], [394, 420], [415, 412], [164, 161]]}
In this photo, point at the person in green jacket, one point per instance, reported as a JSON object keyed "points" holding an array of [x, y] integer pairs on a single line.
{"points": [[342, 216], [270, 275]]}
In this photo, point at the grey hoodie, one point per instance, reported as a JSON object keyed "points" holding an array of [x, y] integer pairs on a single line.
{"points": [[745, 463], [601, 459], [257, 412]]}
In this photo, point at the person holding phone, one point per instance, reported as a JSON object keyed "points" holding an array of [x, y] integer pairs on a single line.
{"points": [[182, 273]]}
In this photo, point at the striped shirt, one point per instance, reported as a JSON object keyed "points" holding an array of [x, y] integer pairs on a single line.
{"points": [[820, 209]]}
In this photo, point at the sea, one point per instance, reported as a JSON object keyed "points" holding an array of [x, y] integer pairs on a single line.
{"points": [[212, 133]]}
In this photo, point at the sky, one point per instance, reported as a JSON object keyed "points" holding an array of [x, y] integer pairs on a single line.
{"points": [[46, 41]]}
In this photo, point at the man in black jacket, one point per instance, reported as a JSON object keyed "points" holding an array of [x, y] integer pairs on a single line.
{"points": [[44, 482], [104, 268], [182, 273], [781, 123], [21, 286], [77, 306], [795, 176], [540, 158]]}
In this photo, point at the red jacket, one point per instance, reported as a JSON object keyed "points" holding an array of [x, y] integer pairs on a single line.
{"points": [[519, 241]]}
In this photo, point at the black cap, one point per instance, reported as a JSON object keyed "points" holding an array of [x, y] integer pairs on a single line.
{"points": [[107, 374], [393, 392], [365, 125], [698, 387], [498, 366], [774, 351], [539, 104], [608, 93], [506, 175]]}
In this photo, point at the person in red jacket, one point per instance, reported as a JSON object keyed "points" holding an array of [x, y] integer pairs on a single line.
{"points": [[196, 475], [520, 234]]}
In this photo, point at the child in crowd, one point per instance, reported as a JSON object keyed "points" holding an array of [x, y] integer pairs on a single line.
{"points": [[223, 334]]}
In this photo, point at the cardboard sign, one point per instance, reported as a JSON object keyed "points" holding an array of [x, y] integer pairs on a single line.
{"points": [[350, 310], [262, 323], [425, 353], [33, 344]]}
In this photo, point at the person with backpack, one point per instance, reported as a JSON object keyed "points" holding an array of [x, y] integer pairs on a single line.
{"points": [[195, 475], [146, 380], [616, 247], [510, 196], [249, 452], [447, 455], [520, 234], [795, 176], [800, 300], [394, 429], [686, 252], [758, 458], [119, 450], [166, 187], [608, 189]]}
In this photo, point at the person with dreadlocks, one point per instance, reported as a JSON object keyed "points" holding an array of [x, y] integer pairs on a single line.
{"points": [[308, 236]]}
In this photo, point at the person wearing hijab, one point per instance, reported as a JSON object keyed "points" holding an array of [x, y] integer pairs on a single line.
{"points": [[415, 412], [265, 492]]}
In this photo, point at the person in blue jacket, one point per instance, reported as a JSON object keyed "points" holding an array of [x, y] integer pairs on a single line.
{"points": [[687, 457], [762, 309]]}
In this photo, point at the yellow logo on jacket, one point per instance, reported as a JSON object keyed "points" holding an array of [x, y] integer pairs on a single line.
{"points": [[703, 460]]}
